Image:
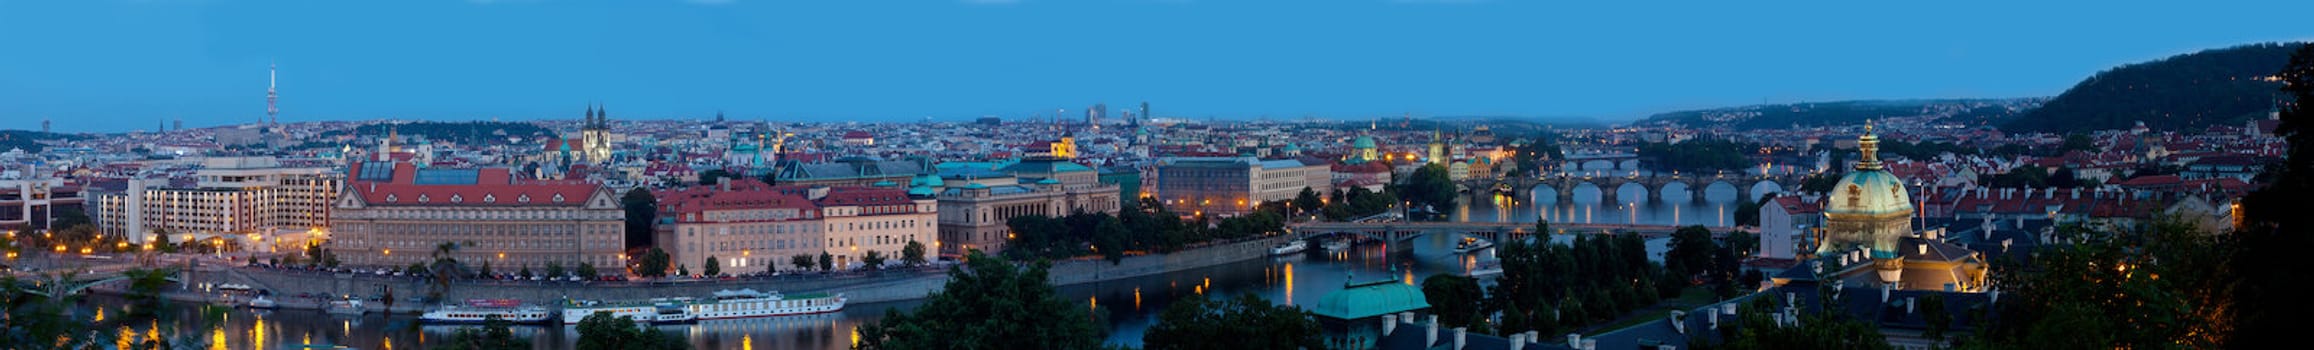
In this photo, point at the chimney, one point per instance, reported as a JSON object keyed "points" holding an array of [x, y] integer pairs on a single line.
{"points": [[1575, 340], [1995, 295], [1534, 337], [1727, 309], [1676, 323], [1518, 341], [1430, 337], [1791, 298], [1910, 304], [2028, 193], [1884, 290], [2076, 193], [2051, 193], [1590, 344], [1459, 334], [1406, 316], [1713, 318], [1389, 323]]}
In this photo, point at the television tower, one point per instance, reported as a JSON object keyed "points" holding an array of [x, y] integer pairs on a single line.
{"points": [[272, 112]]}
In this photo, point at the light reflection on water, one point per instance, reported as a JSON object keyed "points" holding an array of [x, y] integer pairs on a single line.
{"points": [[1130, 305]]}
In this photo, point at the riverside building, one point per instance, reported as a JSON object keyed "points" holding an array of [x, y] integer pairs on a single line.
{"points": [[394, 214]]}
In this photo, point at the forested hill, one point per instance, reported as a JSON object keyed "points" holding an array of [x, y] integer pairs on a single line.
{"points": [[1964, 111], [472, 133], [2189, 91], [29, 140]]}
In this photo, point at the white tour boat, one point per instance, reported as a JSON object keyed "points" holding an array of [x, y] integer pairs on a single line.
{"points": [[262, 302], [478, 311], [661, 310], [1290, 247], [1471, 244], [346, 307], [746, 303]]}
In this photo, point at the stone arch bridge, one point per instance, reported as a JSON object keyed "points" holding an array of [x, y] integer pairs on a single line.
{"points": [[1565, 184], [1492, 231]]}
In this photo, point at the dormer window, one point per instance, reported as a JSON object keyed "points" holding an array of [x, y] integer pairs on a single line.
{"points": [[558, 198], [390, 198], [457, 198], [524, 199], [487, 198], [422, 198]]}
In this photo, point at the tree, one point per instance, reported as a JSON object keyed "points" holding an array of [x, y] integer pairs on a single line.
{"points": [[711, 267], [1825, 330], [494, 334], [801, 261], [873, 259], [2077, 142], [1428, 186], [827, 261], [525, 273], [683, 270], [653, 264], [554, 270], [587, 271], [1932, 311], [604, 331], [1748, 212], [1307, 201], [2270, 264], [913, 254], [713, 176], [485, 271], [2165, 284], [2065, 177], [1690, 255], [988, 304], [1456, 299], [642, 211], [1243, 322]]}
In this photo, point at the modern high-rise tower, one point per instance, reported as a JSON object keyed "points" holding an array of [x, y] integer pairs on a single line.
{"points": [[1136, 122], [272, 111]]}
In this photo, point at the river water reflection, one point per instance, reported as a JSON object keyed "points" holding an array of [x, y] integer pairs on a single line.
{"points": [[1130, 304]]}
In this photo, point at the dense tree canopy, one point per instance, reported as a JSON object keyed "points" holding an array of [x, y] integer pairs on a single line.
{"points": [[2161, 286], [988, 304], [642, 210], [2271, 263], [1456, 299], [1428, 186], [1149, 228], [1700, 155], [604, 331], [467, 133], [1243, 322], [2183, 92]]}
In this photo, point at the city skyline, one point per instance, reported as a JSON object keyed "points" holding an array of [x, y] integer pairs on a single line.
{"points": [[201, 62]]}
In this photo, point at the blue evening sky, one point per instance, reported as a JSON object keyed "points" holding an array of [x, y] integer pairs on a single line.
{"points": [[117, 65]]}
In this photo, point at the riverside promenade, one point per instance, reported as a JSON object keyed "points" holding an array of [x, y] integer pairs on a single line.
{"points": [[316, 288]]}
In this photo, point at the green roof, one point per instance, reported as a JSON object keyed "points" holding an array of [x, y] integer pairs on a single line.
{"points": [[1371, 299], [1363, 142]]}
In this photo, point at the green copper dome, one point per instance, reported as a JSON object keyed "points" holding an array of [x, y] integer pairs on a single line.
{"points": [[1371, 299]]}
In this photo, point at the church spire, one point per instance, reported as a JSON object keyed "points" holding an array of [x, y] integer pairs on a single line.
{"points": [[1869, 144]]}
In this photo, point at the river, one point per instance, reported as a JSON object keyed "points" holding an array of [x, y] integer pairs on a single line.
{"points": [[1130, 304]]}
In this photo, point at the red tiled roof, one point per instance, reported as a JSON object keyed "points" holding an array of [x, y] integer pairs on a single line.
{"points": [[493, 187]]}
